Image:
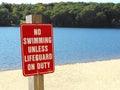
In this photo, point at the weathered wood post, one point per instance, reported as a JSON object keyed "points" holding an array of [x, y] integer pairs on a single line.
{"points": [[35, 82], [37, 50]]}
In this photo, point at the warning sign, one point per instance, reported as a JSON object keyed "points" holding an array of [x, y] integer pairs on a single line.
{"points": [[37, 49]]}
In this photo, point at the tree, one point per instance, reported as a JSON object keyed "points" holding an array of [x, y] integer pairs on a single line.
{"points": [[64, 14], [5, 19]]}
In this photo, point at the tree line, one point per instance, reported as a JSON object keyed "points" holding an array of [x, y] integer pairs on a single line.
{"points": [[64, 14]]}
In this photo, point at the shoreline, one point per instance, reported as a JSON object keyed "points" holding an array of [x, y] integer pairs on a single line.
{"points": [[12, 69], [99, 75]]}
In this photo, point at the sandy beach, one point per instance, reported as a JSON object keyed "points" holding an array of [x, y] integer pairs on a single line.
{"points": [[100, 75]]}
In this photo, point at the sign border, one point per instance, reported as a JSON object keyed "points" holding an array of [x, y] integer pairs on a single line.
{"points": [[22, 51]]}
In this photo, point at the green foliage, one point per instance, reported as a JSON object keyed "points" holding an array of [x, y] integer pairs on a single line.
{"points": [[63, 14]]}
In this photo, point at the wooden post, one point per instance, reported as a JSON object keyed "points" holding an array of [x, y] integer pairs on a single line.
{"points": [[35, 82]]}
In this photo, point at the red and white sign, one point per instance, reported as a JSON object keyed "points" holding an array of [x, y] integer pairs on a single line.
{"points": [[37, 49]]}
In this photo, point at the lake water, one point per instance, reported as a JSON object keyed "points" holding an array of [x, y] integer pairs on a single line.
{"points": [[72, 45]]}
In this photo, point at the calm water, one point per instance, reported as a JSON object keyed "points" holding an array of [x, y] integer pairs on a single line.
{"points": [[72, 45]]}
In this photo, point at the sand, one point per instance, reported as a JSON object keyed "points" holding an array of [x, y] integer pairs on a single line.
{"points": [[101, 75]]}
